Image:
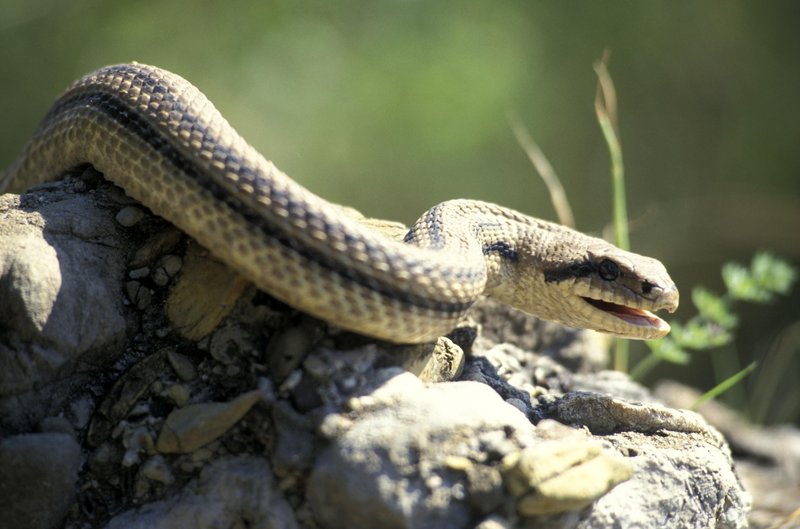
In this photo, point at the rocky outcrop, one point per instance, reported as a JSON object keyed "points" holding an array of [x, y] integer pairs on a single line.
{"points": [[172, 393]]}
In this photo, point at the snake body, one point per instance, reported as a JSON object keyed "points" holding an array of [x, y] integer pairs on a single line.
{"points": [[157, 136]]}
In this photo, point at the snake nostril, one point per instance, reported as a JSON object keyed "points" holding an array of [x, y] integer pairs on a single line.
{"points": [[647, 287]]}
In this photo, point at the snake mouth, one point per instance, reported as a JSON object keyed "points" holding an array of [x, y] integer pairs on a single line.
{"points": [[638, 317]]}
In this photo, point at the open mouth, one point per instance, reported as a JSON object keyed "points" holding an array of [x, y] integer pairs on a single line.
{"points": [[638, 317]]}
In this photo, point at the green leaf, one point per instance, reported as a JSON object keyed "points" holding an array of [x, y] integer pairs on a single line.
{"points": [[696, 334], [666, 349], [773, 274], [741, 284], [714, 308]]}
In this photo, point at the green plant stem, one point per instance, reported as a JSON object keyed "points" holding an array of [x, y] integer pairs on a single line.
{"points": [[724, 386], [644, 366], [618, 184], [605, 105], [725, 361]]}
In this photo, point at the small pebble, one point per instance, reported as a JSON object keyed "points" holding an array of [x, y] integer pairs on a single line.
{"points": [[202, 454], [171, 264], [197, 425], [103, 458], [139, 410], [139, 273], [137, 442], [494, 522], [178, 394], [156, 469], [157, 245], [129, 216], [182, 366], [160, 277], [166, 268], [138, 294]]}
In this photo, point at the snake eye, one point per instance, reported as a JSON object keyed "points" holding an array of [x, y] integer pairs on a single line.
{"points": [[608, 270]]}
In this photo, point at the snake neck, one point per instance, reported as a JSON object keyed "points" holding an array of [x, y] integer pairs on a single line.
{"points": [[552, 271], [481, 232]]}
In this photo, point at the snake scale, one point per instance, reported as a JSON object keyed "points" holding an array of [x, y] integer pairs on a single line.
{"points": [[157, 136]]}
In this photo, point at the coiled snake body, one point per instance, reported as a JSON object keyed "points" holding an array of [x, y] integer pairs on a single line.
{"points": [[158, 137]]}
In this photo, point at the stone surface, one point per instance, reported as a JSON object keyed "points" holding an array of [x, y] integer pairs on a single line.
{"points": [[205, 292], [191, 427], [767, 457], [287, 422], [553, 477], [60, 274], [386, 466], [231, 492], [38, 479]]}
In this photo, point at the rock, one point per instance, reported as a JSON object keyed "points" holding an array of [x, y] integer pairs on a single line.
{"points": [[38, 474], [166, 268], [60, 279], [386, 466], [129, 389], [561, 476], [440, 361], [187, 429], [668, 448], [779, 445], [767, 457], [204, 293], [129, 216], [352, 437], [604, 414], [401, 456], [579, 351], [164, 240], [289, 347], [611, 382], [664, 467], [231, 492], [182, 366]]}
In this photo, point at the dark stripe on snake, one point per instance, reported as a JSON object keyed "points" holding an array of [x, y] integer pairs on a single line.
{"points": [[118, 111]]}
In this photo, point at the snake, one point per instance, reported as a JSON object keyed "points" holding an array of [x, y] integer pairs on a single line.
{"points": [[160, 139]]}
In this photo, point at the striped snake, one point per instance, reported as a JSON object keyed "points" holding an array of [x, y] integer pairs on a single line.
{"points": [[157, 136]]}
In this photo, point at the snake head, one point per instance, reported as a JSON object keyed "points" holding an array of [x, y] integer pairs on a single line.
{"points": [[588, 283], [622, 290]]}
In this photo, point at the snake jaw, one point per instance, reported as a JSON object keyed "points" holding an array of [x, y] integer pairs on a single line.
{"points": [[652, 325]]}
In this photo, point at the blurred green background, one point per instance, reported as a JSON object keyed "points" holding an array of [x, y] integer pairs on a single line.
{"points": [[393, 106]]}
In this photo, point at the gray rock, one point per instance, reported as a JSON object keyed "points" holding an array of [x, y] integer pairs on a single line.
{"points": [[387, 465], [777, 445], [767, 457], [679, 481], [60, 270], [355, 439], [614, 383], [38, 474], [409, 455], [129, 216], [579, 351], [231, 492], [668, 448], [188, 428]]}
